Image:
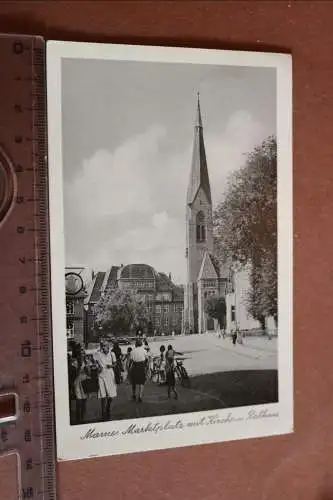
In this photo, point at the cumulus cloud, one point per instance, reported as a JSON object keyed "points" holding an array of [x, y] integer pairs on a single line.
{"points": [[128, 205], [226, 149], [114, 183]]}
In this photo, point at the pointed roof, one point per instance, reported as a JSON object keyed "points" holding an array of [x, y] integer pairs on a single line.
{"points": [[95, 291], [199, 172], [207, 270]]}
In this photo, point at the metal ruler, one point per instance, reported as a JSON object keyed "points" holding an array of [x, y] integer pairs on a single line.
{"points": [[26, 372]]}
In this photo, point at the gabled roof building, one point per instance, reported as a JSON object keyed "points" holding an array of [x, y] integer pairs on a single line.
{"points": [[165, 300]]}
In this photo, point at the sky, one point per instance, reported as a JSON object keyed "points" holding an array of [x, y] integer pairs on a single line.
{"points": [[127, 144]]}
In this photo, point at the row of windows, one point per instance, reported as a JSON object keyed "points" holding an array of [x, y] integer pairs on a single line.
{"points": [[69, 308], [165, 308], [210, 283], [138, 284], [163, 296], [165, 322]]}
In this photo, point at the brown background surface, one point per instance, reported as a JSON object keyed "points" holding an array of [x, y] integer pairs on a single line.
{"points": [[297, 466]]}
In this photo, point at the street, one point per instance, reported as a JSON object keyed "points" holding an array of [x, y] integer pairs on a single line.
{"points": [[222, 375], [209, 354]]}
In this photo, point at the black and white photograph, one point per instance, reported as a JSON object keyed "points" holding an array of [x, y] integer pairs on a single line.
{"points": [[171, 246]]}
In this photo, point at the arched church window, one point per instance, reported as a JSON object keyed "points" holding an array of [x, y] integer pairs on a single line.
{"points": [[200, 227]]}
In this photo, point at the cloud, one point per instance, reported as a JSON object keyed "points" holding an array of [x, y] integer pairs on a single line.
{"points": [[160, 220], [226, 149], [116, 183], [158, 242], [128, 205]]}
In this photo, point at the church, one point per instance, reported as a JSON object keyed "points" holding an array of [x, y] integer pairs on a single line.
{"points": [[205, 276]]}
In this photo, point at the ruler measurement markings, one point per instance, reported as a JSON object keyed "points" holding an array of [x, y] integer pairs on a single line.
{"points": [[35, 385]]}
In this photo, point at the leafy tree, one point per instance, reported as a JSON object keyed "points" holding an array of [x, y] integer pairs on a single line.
{"points": [[246, 226], [120, 310], [215, 307]]}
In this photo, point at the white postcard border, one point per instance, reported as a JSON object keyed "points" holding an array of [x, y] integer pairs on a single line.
{"points": [[157, 432]]}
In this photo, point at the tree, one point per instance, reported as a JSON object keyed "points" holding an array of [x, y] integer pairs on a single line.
{"points": [[245, 226], [120, 310], [215, 307]]}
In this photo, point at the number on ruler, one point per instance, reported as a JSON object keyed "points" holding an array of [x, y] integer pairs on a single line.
{"points": [[28, 464], [27, 436], [23, 319], [27, 406], [26, 349], [28, 492]]}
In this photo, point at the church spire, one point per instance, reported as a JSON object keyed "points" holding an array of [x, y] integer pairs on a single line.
{"points": [[199, 172], [198, 121]]}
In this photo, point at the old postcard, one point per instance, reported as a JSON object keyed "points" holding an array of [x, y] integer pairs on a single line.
{"points": [[171, 246]]}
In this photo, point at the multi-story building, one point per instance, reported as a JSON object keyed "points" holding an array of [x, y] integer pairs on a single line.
{"points": [[163, 298]]}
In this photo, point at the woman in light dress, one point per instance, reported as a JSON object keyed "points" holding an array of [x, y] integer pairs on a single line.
{"points": [[107, 388]]}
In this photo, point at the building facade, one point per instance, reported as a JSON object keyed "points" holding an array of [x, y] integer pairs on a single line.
{"points": [[204, 277], [237, 314], [75, 307], [164, 300]]}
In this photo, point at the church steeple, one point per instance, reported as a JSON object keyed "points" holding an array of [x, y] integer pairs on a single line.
{"points": [[198, 121], [199, 173]]}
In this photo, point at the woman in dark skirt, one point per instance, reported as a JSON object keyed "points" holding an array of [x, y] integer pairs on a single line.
{"points": [[139, 359]]}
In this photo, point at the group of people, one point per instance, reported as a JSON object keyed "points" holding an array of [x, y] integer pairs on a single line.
{"points": [[166, 369], [94, 373], [104, 370], [139, 366]]}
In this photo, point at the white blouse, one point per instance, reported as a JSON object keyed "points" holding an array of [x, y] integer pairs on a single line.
{"points": [[139, 355]]}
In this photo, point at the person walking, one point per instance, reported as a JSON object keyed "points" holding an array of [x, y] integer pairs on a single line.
{"points": [[233, 335], [162, 374], [107, 388], [139, 358], [239, 336], [119, 365], [127, 365], [80, 386], [149, 359], [170, 371]]}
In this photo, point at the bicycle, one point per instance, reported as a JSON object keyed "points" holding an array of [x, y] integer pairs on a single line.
{"points": [[182, 374]]}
